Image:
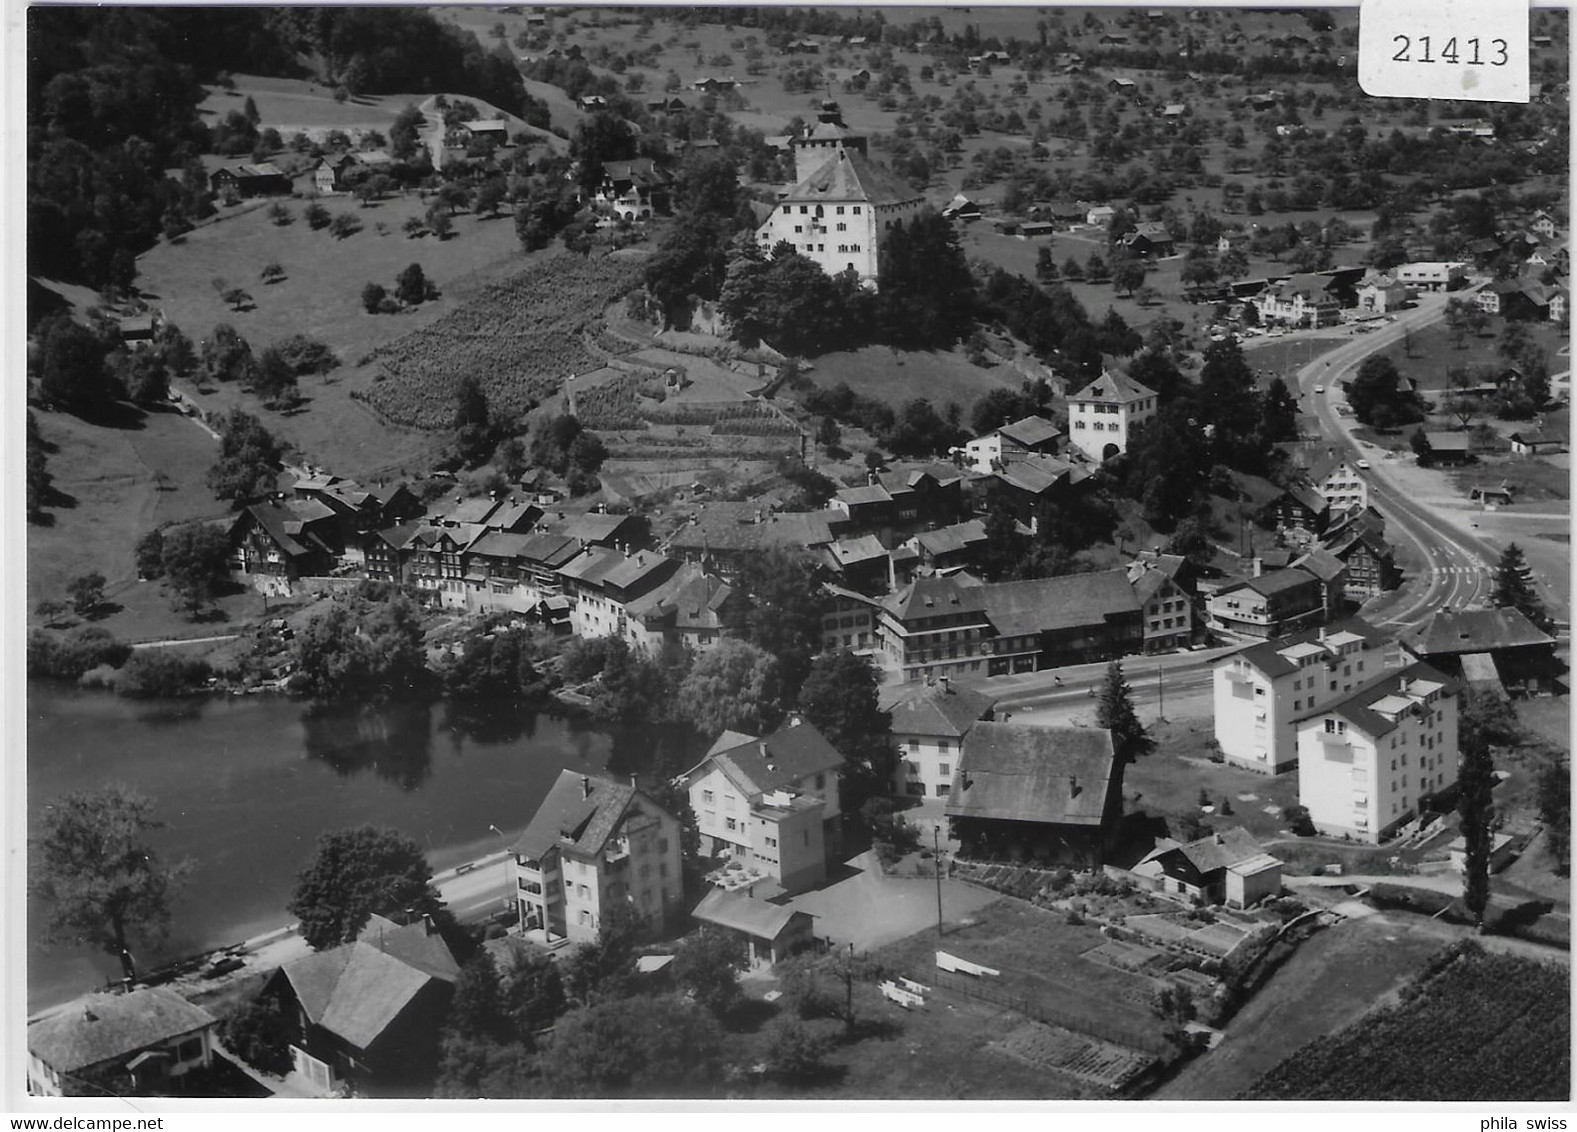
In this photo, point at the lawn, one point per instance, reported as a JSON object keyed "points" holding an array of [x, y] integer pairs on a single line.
{"points": [[110, 476], [320, 296], [897, 376], [1535, 480], [289, 105], [1330, 981], [1434, 355]]}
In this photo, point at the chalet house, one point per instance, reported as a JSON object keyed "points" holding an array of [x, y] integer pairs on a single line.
{"points": [[1164, 605], [848, 620], [768, 933], [961, 208], [1431, 276], [1228, 868], [633, 190], [1303, 300], [860, 562], [1033, 435], [1298, 510], [1354, 775], [1359, 544], [384, 552], [1544, 224], [1262, 692], [143, 1043], [464, 513], [770, 803], [1029, 792], [1450, 447], [600, 583], [435, 563], [247, 180], [1103, 415], [802, 47], [666, 106], [956, 547], [1023, 485], [364, 1016], [140, 330], [714, 85], [895, 504], [929, 725], [287, 539], [1339, 482], [495, 130], [592, 102], [1100, 215], [591, 845], [1535, 442], [1149, 241], [691, 608], [329, 173], [725, 535], [1498, 648], [1523, 299]]}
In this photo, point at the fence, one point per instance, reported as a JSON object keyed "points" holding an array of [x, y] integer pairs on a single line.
{"points": [[1010, 998]]}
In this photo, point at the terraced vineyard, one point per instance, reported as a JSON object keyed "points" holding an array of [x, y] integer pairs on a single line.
{"points": [[1475, 1026], [519, 338]]}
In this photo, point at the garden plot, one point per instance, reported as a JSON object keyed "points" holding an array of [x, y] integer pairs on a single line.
{"points": [[1051, 1047]]}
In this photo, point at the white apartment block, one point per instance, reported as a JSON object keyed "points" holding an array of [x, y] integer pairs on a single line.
{"points": [[1373, 761], [1264, 691]]}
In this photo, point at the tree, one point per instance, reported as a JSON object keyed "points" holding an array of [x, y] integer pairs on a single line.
{"points": [[412, 286], [732, 687], [103, 884], [439, 222], [1554, 786], [1423, 451], [473, 430], [1279, 413], [926, 292], [1095, 268], [227, 356], [194, 560], [70, 366], [1377, 398], [494, 669], [1514, 587], [1128, 275], [785, 613], [794, 1054], [708, 965], [86, 592], [355, 874], [273, 379], [259, 1034], [237, 297], [839, 699], [489, 195], [371, 650], [1228, 400], [344, 225], [372, 297], [647, 1047], [249, 457], [1475, 808], [1115, 712], [317, 216]]}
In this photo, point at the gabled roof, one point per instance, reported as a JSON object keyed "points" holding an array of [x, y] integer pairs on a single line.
{"points": [[1449, 441], [734, 527], [1370, 709], [1278, 581], [476, 510], [548, 549], [1453, 631], [945, 708], [743, 913], [1029, 772], [277, 519], [103, 1027], [1113, 385], [783, 758], [592, 527], [486, 125], [1039, 473], [847, 175], [1068, 601], [640, 171], [1270, 657], [1321, 563], [500, 544], [1218, 851], [398, 535], [592, 565], [953, 539], [863, 493], [637, 568], [1031, 431], [580, 813], [934, 596], [261, 169], [693, 598], [847, 552], [1149, 575]]}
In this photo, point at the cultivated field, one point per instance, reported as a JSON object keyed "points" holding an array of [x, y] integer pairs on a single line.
{"points": [[1487, 1027], [896, 376]]}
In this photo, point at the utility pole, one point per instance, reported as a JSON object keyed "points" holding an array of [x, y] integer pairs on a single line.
{"points": [[848, 991], [936, 858], [1160, 677]]}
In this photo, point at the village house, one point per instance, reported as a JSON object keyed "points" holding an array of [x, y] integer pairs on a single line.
{"points": [[592, 845], [1544, 224], [328, 172], [947, 549], [1228, 868], [1449, 447], [770, 804], [633, 190], [841, 206], [1535, 442], [495, 130], [1099, 215], [723, 536], [1263, 691], [692, 608], [1102, 415], [364, 1016], [767, 933], [1033, 435], [285, 538], [1339, 482], [1149, 241], [1306, 300], [1380, 293], [142, 1043], [1025, 792], [1359, 543], [1493, 496], [1435, 275], [1500, 649], [860, 562], [1022, 485], [936, 626], [1166, 608], [600, 583], [848, 620], [1271, 604], [250, 180], [929, 725], [713, 85], [1523, 299], [434, 562], [894, 505], [666, 105], [1375, 760], [961, 208]]}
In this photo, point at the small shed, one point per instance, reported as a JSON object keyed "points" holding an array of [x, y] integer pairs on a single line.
{"points": [[1501, 853], [770, 932], [1534, 442]]}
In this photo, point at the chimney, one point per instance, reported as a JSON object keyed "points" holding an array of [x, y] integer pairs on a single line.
{"points": [[585, 786], [1073, 786]]}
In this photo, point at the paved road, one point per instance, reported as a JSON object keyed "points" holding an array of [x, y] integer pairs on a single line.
{"points": [[1460, 566]]}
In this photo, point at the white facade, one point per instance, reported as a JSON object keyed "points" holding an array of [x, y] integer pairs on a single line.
{"points": [[1364, 779], [926, 764], [1345, 488], [1101, 420], [1262, 692], [984, 453], [1436, 276]]}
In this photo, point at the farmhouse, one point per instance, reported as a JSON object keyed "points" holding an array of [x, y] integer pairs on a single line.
{"points": [[842, 205], [1149, 240], [263, 179], [1033, 435], [145, 1043], [287, 539], [1535, 442], [495, 130], [929, 725], [1049, 794], [1359, 544], [1499, 646], [1449, 447]]}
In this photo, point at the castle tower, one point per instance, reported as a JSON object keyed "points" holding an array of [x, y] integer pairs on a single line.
{"points": [[824, 140]]}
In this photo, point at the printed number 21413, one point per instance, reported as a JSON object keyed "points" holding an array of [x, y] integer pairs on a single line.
{"points": [[1471, 52]]}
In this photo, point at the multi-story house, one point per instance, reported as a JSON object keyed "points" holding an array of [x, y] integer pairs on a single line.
{"points": [[770, 803], [1034, 435], [144, 1042], [435, 562], [724, 536], [633, 190], [1434, 276], [692, 608], [1376, 759], [289, 539], [1102, 415], [936, 626], [1166, 607], [1270, 605], [1304, 300], [1338, 480], [1024, 485], [848, 620], [1359, 544], [384, 552], [930, 723], [1379, 293], [600, 583], [841, 206], [1262, 692], [594, 844]]}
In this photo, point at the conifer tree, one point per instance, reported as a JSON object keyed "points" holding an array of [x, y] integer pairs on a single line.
{"points": [[1115, 713], [1514, 590]]}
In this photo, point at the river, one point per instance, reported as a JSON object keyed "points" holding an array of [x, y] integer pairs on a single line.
{"points": [[246, 784]]}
